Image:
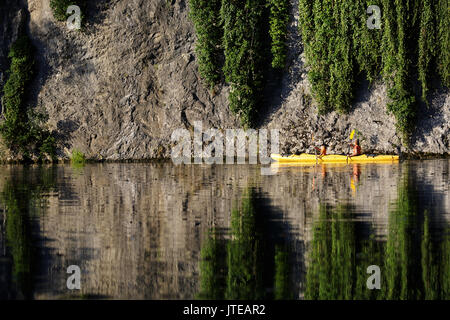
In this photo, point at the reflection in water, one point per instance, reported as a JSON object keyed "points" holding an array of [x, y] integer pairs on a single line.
{"points": [[212, 269], [159, 231], [23, 201], [414, 259], [18, 237], [251, 264], [339, 255]]}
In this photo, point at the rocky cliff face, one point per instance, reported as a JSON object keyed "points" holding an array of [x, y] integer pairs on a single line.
{"points": [[119, 88]]}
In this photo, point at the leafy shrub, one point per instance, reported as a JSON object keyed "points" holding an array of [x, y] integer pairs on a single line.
{"points": [[279, 18], [443, 34], [398, 51], [22, 129], [427, 40], [339, 46], [78, 157], [243, 23], [206, 17]]}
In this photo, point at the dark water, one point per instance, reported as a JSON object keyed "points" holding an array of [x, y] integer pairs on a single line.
{"points": [[159, 231]]}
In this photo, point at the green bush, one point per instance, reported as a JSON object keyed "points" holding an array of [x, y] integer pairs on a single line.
{"points": [[206, 17], [366, 42], [398, 52], [279, 19], [427, 40], [244, 26], [443, 36], [328, 41], [78, 157], [339, 46], [22, 129]]}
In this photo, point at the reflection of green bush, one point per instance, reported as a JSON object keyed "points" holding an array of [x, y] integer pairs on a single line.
{"points": [[18, 236], [282, 288], [244, 253], [212, 269], [414, 263], [240, 268], [333, 255], [22, 198]]}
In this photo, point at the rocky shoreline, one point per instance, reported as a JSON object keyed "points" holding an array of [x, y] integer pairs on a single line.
{"points": [[118, 89]]}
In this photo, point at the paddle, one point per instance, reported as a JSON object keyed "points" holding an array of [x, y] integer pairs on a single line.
{"points": [[351, 139], [315, 151]]}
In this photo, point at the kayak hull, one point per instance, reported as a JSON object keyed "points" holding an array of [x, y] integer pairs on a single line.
{"points": [[311, 158]]}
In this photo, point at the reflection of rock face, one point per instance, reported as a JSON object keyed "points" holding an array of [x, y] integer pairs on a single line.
{"points": [[136, 230]]}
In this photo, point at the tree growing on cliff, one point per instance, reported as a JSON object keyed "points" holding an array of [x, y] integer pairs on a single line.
{"points": [[206, 17], [243, 23], [21, 128], [279, 18], [397, 56], [443, 34], [339, 46]]}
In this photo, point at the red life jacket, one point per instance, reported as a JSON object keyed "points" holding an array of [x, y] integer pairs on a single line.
{"points": [[356, 150]]}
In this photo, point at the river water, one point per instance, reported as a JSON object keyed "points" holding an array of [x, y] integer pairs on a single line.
{"points": [[160, 231]]}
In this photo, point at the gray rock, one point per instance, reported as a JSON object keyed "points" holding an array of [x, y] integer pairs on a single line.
{"points": [[130, 78]]}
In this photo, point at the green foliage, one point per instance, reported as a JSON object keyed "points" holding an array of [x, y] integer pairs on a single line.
{"points": [[282, 290], [413, 261], [427, 41], [22, 129], [18, 236], [206, 17], [20, 74], [244, 254], [279, 18], [342, 60], [78, 157], [244, 23], [397, 57], [443, 37], [212, 269], [236, 31], [247, 263], [328, 42], [339, 46], [48, 146], [366, 42]]}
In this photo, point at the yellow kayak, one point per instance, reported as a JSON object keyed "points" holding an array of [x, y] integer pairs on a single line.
{"points": [[309, 158]]}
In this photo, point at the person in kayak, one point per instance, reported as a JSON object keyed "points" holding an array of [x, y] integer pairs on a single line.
{"points": [[356, 149], [322, 150]]}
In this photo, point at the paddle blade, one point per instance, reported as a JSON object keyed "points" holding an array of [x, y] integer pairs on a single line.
{"points": [[352, 134]]}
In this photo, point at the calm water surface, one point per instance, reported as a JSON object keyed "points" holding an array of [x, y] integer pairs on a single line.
{"points": [[159, 231]]}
